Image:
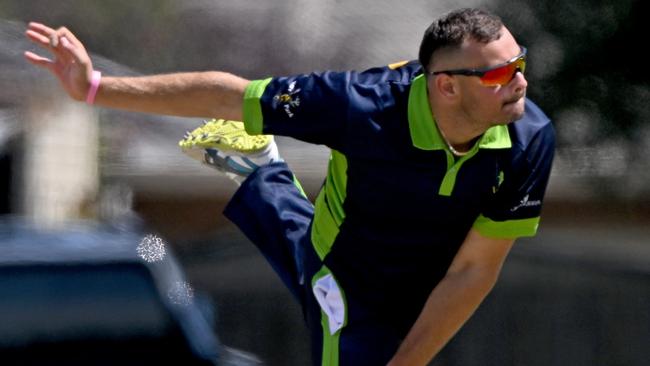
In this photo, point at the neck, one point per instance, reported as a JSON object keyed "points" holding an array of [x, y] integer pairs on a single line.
{"points": [[456, 149], [457, 128], [457, 134]]}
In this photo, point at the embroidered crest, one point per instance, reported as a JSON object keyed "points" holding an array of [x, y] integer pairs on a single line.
{"points": [[289, 100]]}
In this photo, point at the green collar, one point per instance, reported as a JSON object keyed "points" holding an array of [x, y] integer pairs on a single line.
{"points": [[425, 134]]}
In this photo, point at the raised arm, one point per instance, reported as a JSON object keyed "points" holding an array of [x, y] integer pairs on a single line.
{"points": [[193, 94]]}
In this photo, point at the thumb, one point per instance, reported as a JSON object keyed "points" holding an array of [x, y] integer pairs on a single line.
{"points": [[40, 61]]}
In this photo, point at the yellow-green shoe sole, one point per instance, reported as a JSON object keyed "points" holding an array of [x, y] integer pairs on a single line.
{"points": [[224, 135]]}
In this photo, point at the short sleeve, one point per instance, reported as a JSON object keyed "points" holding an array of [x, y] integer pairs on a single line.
{"points": [[312, 108], [516, 207], [318, 107]]}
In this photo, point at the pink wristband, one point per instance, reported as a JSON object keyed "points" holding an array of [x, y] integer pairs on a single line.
{"points": [[94, 86]]}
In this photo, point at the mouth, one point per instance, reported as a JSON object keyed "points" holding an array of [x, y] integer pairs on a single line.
{"points": [[512, 101]]}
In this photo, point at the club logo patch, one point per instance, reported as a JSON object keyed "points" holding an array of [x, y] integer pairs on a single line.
{"points": [[289, 100]]}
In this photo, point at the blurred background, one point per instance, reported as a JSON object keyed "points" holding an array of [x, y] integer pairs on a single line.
{"points": [[577, 294]]}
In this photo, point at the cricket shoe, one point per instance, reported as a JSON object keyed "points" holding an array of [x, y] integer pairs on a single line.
{"points": [[225, 146]]}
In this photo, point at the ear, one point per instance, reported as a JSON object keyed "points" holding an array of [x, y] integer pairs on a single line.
{"points": [[446, 86]]}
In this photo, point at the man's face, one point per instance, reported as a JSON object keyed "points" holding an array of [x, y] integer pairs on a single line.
{"points": [[486, 105]]}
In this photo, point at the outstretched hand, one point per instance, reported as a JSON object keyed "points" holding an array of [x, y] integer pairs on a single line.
{"points": [[71, 64]]}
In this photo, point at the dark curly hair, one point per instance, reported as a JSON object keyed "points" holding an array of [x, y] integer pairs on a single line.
{"points": [[457, 26]]}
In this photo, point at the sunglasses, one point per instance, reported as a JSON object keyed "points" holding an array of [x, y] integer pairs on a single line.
{"points": [[495, 75]]}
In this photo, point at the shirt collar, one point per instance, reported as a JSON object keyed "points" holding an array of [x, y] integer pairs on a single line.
{"points": [[425, 134]]}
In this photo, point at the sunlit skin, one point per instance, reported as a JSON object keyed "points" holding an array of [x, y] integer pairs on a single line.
{"points": [[463, 107]]}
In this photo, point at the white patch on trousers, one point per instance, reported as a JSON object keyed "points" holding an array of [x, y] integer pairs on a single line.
{"points": [[328, 295]]}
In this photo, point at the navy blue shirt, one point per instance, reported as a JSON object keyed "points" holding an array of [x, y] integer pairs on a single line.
{"points": [[396, 205]]}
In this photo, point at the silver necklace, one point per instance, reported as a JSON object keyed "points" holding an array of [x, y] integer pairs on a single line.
{"points": [[451, 148]]}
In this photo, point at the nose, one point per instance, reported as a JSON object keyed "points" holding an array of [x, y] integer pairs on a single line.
{"points": [[519, 82]]}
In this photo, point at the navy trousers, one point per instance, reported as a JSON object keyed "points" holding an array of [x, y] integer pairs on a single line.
{"points": [[274, 214]]}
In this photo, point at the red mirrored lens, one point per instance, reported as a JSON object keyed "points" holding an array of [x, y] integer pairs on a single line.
{"points": [[502, 75]]}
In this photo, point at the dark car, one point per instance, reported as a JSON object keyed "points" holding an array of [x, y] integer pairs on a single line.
{"points": [[100, 295]]}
